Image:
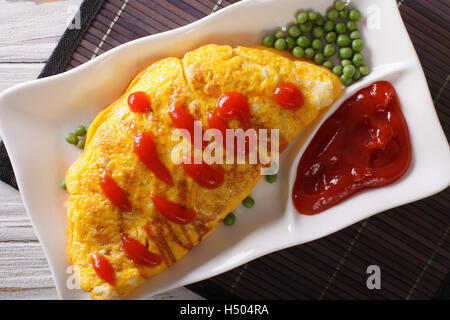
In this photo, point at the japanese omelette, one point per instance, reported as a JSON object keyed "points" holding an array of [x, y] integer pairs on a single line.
{"points": [[132, 211]]}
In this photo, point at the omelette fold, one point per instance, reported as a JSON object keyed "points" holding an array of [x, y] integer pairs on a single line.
{"points": [[97, 226]]}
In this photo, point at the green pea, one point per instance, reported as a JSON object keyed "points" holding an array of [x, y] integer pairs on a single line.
{"points": [[71, 138], [306, 27], [337, 70], [358, 59], [343, 40], [357, 45], [317, 32], [230, 219], [349, 71], [63, 185], [355, 15], [346, 62], [320, 21], [318, 58], [280, 44], [298, 52], [303, 41], [345, 53], [343, 14], [80, 131], [312, 15], [340, 28], [333, 14], [271, 178], [294, 31], [279, 34], [357, 75], [268, 41], [328, 26], [355, 35], [364, 70], [329, 50], [316, 44], [81, 144], [339, 5], [248, 202], [301, 17], [331, 37], [309, 53], [328, 64], [290, 43], [346, 80], [351, 25]]}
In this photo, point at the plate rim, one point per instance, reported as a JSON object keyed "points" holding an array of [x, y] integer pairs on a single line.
{"points": [[87, 65]]}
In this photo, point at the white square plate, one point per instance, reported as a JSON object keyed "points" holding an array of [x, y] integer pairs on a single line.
{"points": [[35, 116]]}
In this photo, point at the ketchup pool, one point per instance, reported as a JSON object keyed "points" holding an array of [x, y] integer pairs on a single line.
{"points": [[364, 144]]}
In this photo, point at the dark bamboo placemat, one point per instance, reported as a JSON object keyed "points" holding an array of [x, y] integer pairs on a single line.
{"points": [[410, 244]]}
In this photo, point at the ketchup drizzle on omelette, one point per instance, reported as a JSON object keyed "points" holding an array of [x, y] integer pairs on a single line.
{"points": [[103, 268], [364, 144], [144, 147], [139, 101], [182, 119], [289, 96], [205, 175], [137, 252], [234, 105], [114, 192], [216, 122], [173, 211]]}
